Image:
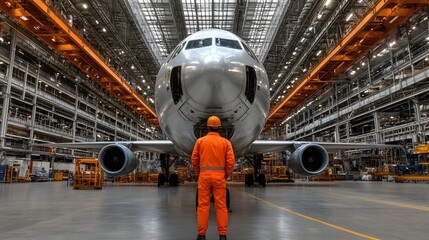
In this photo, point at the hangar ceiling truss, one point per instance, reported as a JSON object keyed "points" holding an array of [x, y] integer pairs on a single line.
{"points": [[287, 37], [373, 27], [45, 23]]}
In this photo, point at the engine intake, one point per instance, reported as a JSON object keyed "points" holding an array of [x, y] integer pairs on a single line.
{"points": [[309, 160], [116, 159]]}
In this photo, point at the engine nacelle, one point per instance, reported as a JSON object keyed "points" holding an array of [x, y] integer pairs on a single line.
{"points": [[309, 160], [116, 159]]}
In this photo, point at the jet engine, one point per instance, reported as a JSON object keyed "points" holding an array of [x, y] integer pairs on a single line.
{"points": [[117, 159], [309, 160]]}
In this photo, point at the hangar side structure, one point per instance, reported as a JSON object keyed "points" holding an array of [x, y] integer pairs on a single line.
{"points": [[380, 97]]}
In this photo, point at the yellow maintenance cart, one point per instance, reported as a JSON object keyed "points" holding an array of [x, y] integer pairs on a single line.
{"points": [[88, 174]]}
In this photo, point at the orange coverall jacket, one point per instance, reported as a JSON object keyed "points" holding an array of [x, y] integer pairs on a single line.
{"points": [[213, 153], [213, 160]]}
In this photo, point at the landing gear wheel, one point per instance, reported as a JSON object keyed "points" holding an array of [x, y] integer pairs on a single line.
{"points": [[262, 180], [162, 179], [249, 180], [174, 180]]}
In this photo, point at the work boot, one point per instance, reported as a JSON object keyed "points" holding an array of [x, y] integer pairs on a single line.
{"points": [[222, 237], [202, 237]]}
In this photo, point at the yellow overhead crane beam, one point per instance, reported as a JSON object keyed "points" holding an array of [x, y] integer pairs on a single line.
{"points": [[385, 16], [44, 22]]}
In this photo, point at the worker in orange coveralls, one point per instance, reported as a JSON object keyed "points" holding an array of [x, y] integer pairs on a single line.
{"points": [[213, 160]]}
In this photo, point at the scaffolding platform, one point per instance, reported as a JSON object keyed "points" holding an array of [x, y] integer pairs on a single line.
{"points": [[88, 174]]}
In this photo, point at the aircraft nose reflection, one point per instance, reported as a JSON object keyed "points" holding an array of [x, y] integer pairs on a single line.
{"points": [[214, 81]]}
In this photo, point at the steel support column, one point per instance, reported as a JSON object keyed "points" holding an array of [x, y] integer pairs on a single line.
{"points": [[6, 94]]}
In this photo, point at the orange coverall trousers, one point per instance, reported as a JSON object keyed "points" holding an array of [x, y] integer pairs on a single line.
{"points": [[212, 182]]}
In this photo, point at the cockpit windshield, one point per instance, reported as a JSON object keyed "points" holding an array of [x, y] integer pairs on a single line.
{"points": [[199, 43], [249, 51], [176, 51], [220, 42]]}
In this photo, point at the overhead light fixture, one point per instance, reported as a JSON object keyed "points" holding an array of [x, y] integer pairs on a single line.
{"points": [[96, 21], [348, 17], [392, 43], [327, 2], [24, 18], [393, 19], [310, 28], [104, 30], [1, 39], [85, 6], [319, 16], [319, 52], [294, 53]]}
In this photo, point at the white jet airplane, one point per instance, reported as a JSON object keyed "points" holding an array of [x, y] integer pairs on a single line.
{"points": [[213, 72]]}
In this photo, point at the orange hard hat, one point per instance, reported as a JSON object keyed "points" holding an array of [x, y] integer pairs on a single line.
{"points": [[213, 121]]}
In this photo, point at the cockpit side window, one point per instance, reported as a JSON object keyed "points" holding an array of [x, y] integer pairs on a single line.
{"points": [[249, 51], [220, 42], [176, 51], [199, 43]]}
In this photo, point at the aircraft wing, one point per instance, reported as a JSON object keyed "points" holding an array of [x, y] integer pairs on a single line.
{"points": [[159, 146], [264, 146]]}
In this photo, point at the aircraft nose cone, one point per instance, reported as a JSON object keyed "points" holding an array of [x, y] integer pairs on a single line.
{"points": [[214, 81]]}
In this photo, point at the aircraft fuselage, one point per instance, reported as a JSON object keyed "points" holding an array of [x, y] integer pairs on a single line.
{"points": [[212, 72]]}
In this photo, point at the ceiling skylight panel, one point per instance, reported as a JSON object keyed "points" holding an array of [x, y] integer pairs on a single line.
{"points": [[261, 23]]}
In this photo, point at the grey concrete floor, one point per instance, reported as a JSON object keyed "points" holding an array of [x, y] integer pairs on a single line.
{"points": [[302, 210]]}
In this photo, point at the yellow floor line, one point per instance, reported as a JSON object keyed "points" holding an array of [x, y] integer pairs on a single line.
{"points": [[391, 203], [315, 220]]}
